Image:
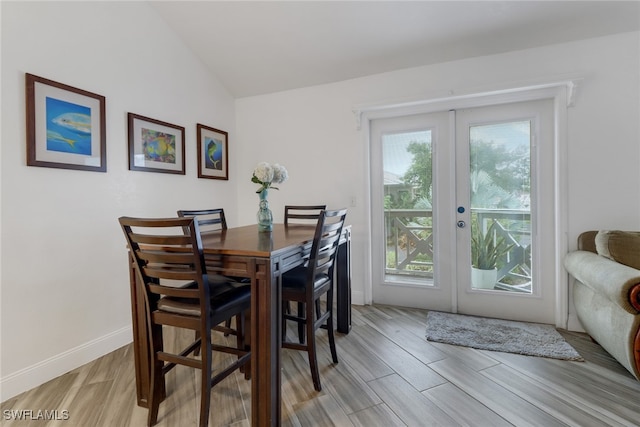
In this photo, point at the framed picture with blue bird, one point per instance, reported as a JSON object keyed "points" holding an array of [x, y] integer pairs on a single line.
{"points": [[155, 146], [213, 153], [65, 126]]}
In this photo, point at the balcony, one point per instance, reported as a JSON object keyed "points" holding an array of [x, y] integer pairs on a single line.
{"points": [[409, 256]]}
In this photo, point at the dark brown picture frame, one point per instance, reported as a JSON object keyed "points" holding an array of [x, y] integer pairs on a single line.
{"points": [[66, 126], [213, 153], [155, 146]]}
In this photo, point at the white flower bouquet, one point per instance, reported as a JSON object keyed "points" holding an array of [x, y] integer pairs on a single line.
{"points": [[266, 175]]}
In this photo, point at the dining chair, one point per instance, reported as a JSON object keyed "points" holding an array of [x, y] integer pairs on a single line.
{"points": [[304, 214], [208, 219], [308, 283], [212, 220], [169, 265]]}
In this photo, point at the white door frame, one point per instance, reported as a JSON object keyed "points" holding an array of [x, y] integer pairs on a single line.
{"points": [[563, 94]]}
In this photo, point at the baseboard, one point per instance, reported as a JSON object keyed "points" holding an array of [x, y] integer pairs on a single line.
{"points": [[573, 324], [35, 375]]}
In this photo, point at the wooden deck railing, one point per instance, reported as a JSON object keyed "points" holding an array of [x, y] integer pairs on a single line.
{"points": [[410, 244]]}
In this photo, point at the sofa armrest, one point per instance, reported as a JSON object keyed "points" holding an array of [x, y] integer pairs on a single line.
{"points": [[618, 282], [587, 241]]}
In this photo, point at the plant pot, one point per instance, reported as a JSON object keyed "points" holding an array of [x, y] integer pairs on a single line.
{"points": [[483, 279]]}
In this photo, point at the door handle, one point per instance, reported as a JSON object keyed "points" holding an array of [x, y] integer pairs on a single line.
{"points": [[461, 224]]}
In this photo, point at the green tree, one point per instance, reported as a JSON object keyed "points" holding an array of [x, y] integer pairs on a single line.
{"points": [[419, 175], [402, 200], [498, 174]]}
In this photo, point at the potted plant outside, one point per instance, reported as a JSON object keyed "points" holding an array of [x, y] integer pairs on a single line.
{"points": [[486, 249]]}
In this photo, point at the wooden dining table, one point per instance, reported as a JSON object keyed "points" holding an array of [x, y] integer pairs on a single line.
{"points": [[261, 257]]}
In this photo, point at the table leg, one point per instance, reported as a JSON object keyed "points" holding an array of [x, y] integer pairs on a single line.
{"points": [[265, 346], [343, 290]]}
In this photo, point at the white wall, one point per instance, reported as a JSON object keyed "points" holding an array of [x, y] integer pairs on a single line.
{"points": [[65, 286], [312, 131]]}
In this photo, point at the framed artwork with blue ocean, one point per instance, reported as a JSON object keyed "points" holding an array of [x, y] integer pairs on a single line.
{"points": [[155, 146], [213, 153], [65, 126]]}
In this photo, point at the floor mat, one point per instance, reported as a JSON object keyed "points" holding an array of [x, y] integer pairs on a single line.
{"points": [[531, 339]]}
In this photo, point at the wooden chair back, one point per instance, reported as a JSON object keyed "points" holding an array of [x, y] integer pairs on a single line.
{"points": [[325, 244], [302, 213], [208, 219], [166, 258]]}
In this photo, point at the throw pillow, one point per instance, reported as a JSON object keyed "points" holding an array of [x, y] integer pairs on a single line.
{"points": [[620, 246]]}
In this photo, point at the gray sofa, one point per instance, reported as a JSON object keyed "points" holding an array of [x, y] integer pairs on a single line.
{"points": [[606, 292]]}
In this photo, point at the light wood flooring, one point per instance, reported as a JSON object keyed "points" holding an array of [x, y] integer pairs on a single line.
{"points": [[388, 375]]}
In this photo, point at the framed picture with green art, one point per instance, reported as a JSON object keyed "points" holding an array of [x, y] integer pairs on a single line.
{"points": [[155, 146], [65, 126], [213, 153]]}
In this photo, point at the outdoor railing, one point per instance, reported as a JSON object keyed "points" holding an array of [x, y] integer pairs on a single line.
{"points": [[410, 244]]}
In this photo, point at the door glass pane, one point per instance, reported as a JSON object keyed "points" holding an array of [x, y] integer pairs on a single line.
{"points": [[408, 219], [500, 183]]}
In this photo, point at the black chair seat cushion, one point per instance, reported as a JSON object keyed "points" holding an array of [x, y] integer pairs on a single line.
{"points": [[296, 278], [224, 297]]}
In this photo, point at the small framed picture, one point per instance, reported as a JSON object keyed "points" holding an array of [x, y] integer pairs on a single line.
{"points": [[213, 153], [65, 126], [155, 146]]}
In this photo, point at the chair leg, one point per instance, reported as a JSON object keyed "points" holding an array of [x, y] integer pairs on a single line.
{"points": [[156, 377], [283, 338], [301, 310], [239, 331], [332, 340], [196, 352], [241, 344], [154, 398], [205, 386], [311, 347], [227, 324], [245, 333]]}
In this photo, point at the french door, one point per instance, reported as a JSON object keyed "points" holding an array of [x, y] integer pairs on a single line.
{"points": [[412, 183], [463, 194]]}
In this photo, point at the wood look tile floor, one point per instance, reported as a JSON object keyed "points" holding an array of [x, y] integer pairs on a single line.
{"points": [[388, 375]]}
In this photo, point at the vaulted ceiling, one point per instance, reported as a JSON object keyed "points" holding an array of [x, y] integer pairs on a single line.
{"points": [[258, 47]]}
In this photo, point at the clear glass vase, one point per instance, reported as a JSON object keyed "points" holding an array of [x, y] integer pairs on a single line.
{"points": [[265, 217]]}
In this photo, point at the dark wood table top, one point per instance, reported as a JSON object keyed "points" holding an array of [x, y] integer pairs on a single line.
{"points": [[248, 241]]}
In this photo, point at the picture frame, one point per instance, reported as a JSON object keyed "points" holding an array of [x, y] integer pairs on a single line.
{"points": [[155, 146], [66, 126], [213, 153]]}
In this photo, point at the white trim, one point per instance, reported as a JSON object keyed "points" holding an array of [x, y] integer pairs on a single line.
{"points": [[35, 375], [563, 99], [370, 112], [453, 270], [367, 291], [563, 91]]}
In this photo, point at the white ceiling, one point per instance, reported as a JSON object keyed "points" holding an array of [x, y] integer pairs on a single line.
{"points": [[258, 47]]}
